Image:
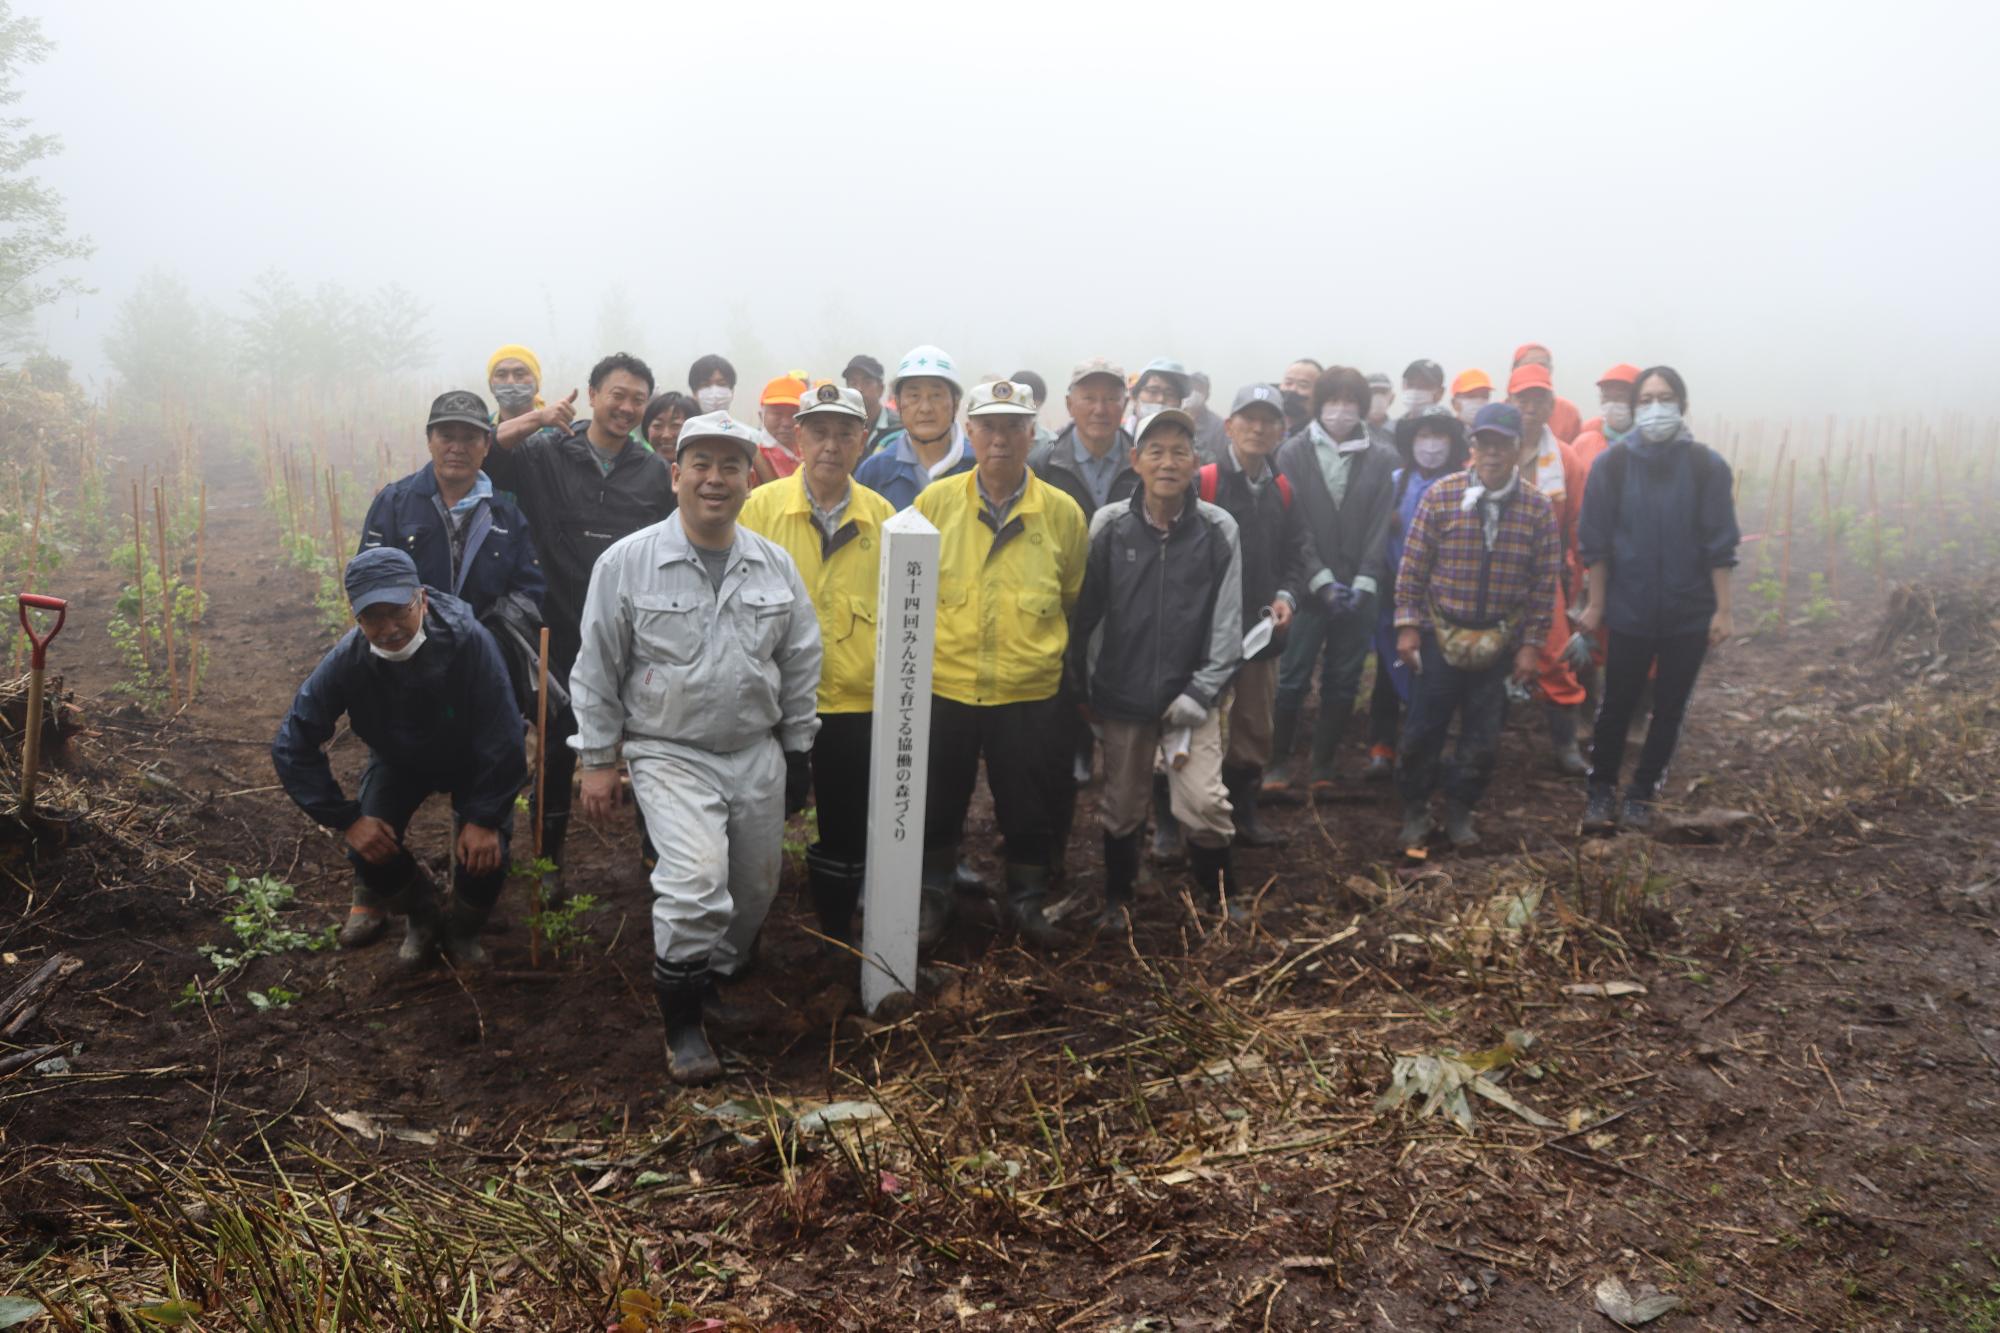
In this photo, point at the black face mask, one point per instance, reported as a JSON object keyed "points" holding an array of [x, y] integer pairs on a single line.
{"points": [[1296, 406]]}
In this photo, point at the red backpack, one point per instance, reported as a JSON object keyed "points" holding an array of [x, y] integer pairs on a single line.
{"points": [[1212, 472]]}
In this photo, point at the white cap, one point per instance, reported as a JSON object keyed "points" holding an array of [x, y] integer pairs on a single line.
{"points": [[926, 360], [715, 426], [831, 400], [1001, 398], [1166, 416]]}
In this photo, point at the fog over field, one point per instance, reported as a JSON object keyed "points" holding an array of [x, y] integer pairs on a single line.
{"points": [[1791, 202]]}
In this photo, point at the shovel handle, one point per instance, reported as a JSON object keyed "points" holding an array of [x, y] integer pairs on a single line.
{"points": [[36, 601]]}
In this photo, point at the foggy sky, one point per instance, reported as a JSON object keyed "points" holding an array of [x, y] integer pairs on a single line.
{"points": [[1793, 203]]}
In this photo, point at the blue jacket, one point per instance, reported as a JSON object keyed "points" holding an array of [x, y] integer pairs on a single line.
{"points": [[445, 717], [1412, 484], [894, 473], [1665, 518], [499, 553]]}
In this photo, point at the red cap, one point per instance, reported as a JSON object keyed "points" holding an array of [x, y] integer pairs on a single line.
{"points": [[1526, 348], [1620, 374], [1530, 377]]}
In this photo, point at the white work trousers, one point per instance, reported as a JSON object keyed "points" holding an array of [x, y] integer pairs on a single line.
{"points": [[718, 824]]}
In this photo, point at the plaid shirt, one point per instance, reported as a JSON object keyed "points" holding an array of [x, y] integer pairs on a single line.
{"points": [[1445, 561]]}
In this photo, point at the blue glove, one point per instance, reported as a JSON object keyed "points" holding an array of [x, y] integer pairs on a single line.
{"points": [[1362, 604], [1336, 598]]}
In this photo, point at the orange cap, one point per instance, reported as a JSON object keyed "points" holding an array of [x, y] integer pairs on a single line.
{"points": [[786, 390], [1526, 348], [1472, 381], [1530, 377], [1620, 374]]}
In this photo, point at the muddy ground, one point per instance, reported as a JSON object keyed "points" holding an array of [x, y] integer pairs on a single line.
{"points": [[1794, 1124]]}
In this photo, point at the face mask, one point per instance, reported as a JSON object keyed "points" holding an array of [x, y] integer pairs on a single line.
{"points": [[1416, 400], [1195, 401], [403, 654], [513, 397], [714, 397], [1378, 406], [1468, 408], [1336, 419], [1140, 411], [1295, 404], [1659, 422], [1618, 417], [1431, 451]]}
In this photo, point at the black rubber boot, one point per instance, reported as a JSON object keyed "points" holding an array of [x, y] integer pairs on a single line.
{"points": [[1168, 843], [1121, 872], [1215, 880], [1417, 825], [367, 919], [934, 906], [1562, 741], [1243, 784], [418, 900], [836, 891], [463, 922], [1329, 729], [1027, 893], [1280, 778], [1636, 814], [678, 989], [1458, 826], [1600, 812]]}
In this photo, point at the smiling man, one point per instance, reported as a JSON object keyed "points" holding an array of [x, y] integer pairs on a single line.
{"points": [[701, 660], [581, 492], [421, 684]]}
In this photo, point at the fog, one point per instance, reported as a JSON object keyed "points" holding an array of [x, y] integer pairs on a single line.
{"points": [[1791, 202]]}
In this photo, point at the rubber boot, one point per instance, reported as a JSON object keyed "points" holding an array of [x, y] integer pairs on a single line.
{"points": [[463, 922], [678, 989], [1121, 872], [418, 901], [836, 891], [1458, 825], [1636, 814], [1600, 811], [1278, 778], [1168, 843], [934, 903], [367, 919], [1243, 785], [1328, 729], [1562, 740], [1417, 825], [1381, 764], [1027, 892], [1215, 880]]}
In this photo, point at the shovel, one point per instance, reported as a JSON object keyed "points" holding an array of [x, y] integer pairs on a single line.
{"points": [[31, 744]]}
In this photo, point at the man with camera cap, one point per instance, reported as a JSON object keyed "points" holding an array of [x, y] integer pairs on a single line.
{"points": [[422, 685], [831, 526], [700, 657], [1010, 566]]}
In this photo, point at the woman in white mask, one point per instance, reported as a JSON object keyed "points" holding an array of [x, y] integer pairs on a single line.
{"points": [[712, 381], [1658, 535]]}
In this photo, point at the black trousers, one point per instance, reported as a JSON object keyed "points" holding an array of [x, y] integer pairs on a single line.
{"points": [[840, 784], [1385, 708], [1026, 751], [1628, 660], [393, 797]]}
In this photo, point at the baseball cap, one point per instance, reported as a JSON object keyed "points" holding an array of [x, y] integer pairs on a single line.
{"points": [[864, 364], [1472, 381], [1425, 370], [1252, 394], [1530, 377], [1090, 367], [460, 405], [1166, 416], [717, 426], [1167, 366], [382, 574], [1620, 374], [1378, 380], [832, 400], [784, 391], [1500, 418], [1001, 398]]}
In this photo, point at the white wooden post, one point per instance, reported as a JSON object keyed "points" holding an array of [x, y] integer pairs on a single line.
{"points": [[899, 755]]}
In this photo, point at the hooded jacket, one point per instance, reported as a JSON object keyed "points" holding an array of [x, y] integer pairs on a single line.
{"points": [[446, 718]]}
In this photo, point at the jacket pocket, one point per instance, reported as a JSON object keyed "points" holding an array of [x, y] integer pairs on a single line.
{"points": [[1039, 622], [851, 616], [668, 627], [764, 615]]}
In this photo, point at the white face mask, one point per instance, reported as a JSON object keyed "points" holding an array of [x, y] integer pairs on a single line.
{"points": [[1140, 411], [714, 397], [1659, 422], [1416, 400], [1468, 408], [1618, 417], [1336, 419], [1431, 451], [403, 654]]}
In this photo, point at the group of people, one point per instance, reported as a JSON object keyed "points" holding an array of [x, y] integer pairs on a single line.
{"points": [[1146, 593]]}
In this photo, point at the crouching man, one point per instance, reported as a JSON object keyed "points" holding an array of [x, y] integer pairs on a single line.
{"points": [[701, 657], [1164, 584], [422, 684]]}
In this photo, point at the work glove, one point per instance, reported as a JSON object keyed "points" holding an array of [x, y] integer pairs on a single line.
{"points": [[1362, 603], [1184, 711], [1577, 651], [798, 781], [1336, 598]]}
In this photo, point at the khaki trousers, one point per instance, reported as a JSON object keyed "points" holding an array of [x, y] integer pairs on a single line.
{"points": [[1200, 803]]}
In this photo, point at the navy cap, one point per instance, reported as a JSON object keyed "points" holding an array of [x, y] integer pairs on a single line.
{"points": [[381, 574], [864, 363], [1500, 418], [1426, 371], [1267, 394]]}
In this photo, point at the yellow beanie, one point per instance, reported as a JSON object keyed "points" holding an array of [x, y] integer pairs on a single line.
{"points": [[522, 354]]}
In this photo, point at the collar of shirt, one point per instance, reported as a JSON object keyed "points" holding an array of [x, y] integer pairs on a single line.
{"points": [[906, 452], [1139, 503], [1000, 510], [482, 489], [674, 545], [1256, 478], [828, 520]]}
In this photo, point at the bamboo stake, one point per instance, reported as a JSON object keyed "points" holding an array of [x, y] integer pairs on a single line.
{"points": [[1944, 521], [166, 589], [1785, 560], [333, 505], [1875, 522], [139, 576], [541, 798], [200, 607], [1832, 538]]}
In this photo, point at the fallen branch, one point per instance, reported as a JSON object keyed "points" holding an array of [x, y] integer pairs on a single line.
{"points": [[27, 998]]}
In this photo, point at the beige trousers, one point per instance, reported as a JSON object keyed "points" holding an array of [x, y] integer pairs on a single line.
{"points": [[1200, 803]]}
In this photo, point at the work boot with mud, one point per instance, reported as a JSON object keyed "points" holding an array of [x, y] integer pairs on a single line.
{"points": [[1417, 826], [1563, 751], [1121, 872], [934, 902], [1027, 894], [1244, 786], [1168, 844], [1636, 814], [836, 890], [365, 924], [1458, 826], [678, 990], [1600, 811], [1215, 881], [463, 924], [418, 900]]}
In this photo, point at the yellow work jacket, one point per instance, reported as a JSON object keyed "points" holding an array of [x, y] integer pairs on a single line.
{"points": [[1003, 599], [840, 574]]}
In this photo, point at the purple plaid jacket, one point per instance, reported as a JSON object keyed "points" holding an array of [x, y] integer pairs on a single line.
{"points": [[1445, 561]]}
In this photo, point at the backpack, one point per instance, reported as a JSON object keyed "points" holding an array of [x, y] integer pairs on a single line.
{"points": [[1211, 477]]}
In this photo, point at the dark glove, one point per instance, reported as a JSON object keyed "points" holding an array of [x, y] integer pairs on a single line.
{"points": [[1335, 598], [798, 781], [1362, 604]]}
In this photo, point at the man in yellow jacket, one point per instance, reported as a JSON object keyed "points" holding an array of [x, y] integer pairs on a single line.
{"points": [[831, 526], [1010, 567]]}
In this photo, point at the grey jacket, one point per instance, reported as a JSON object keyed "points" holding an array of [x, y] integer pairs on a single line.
{"points": [[1351, 538], [666, 660]]}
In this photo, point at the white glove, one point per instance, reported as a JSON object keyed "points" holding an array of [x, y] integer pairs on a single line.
{"points": [[1184, 712]]}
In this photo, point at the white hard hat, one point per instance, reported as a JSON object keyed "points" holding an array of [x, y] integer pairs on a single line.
{"points": [[927, 360]]}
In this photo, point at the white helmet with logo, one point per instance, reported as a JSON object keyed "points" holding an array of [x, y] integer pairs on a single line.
{"points": [[927, 360]]}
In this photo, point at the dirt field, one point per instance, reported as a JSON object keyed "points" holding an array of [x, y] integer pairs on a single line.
{"points": [[1791, 1120]]}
